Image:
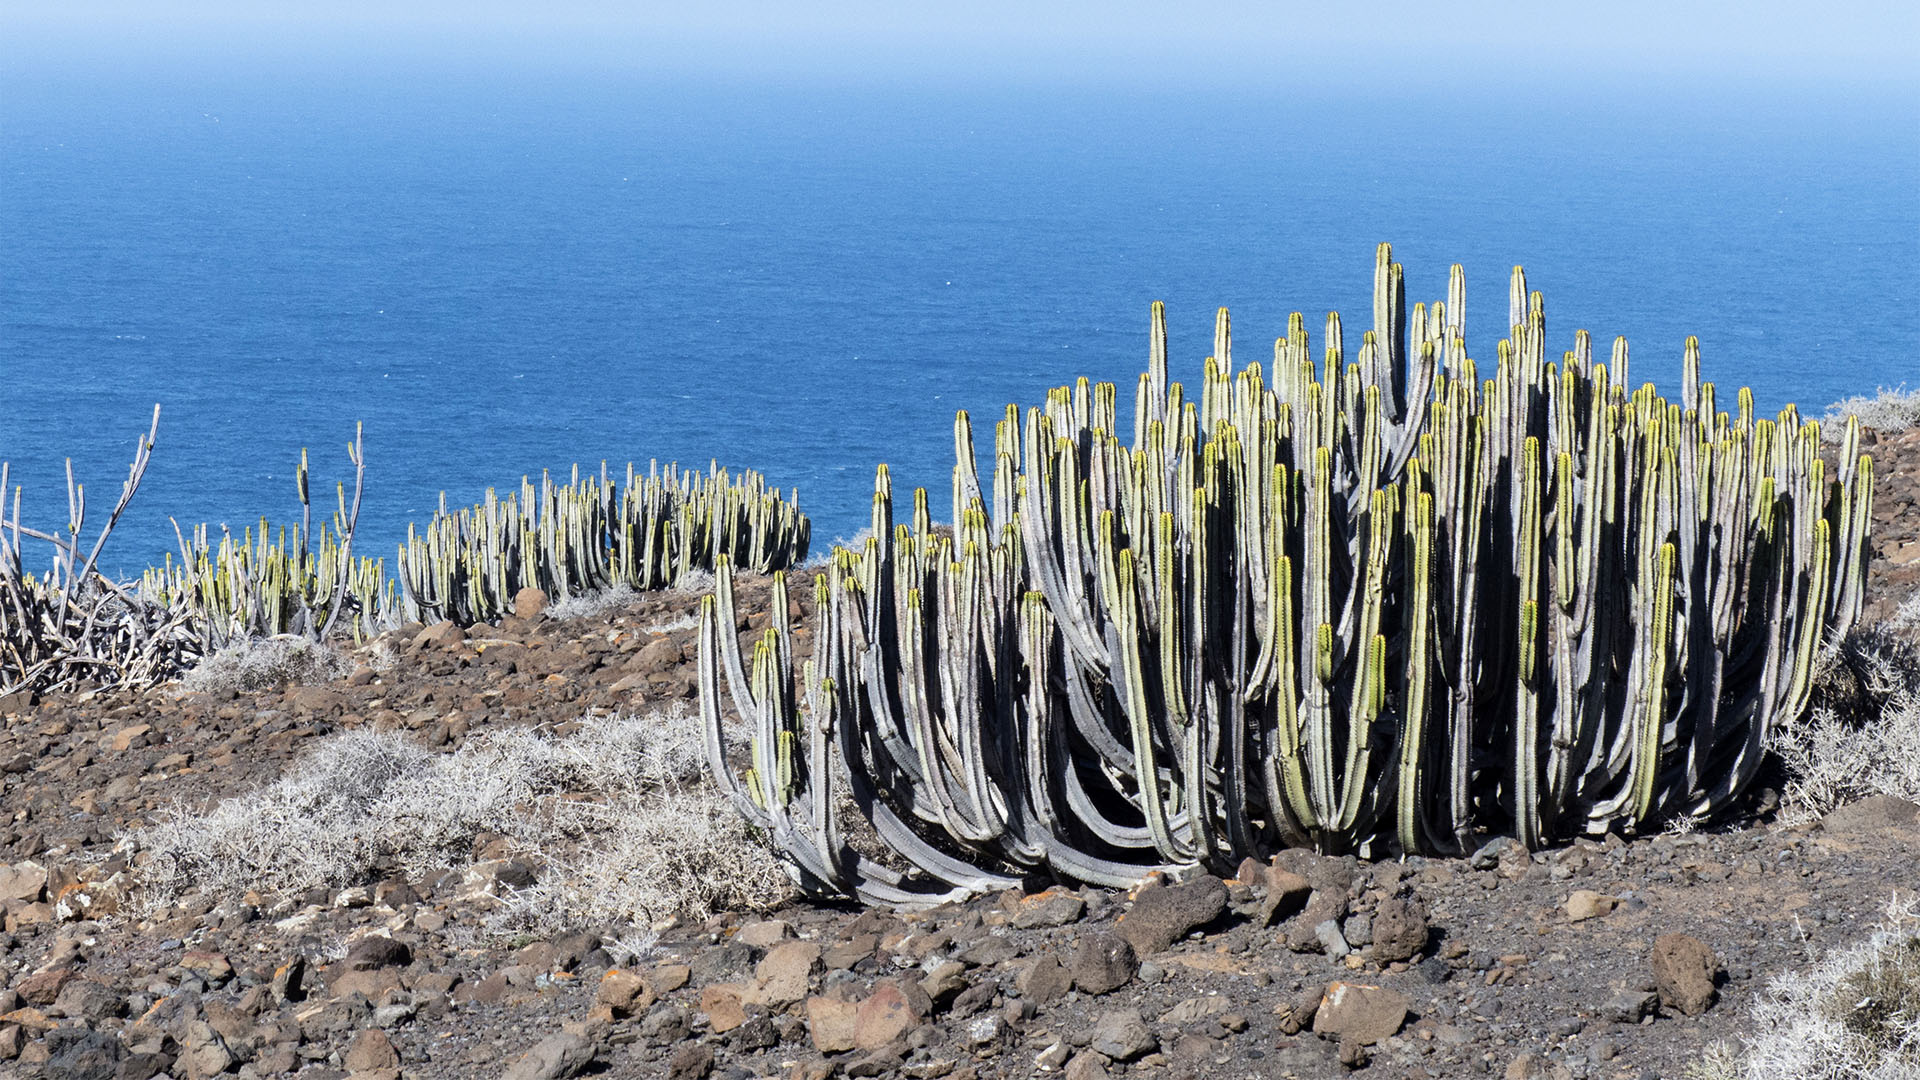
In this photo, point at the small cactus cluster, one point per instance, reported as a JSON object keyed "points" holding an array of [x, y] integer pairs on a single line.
{"points": [[262, 585], [75, 627], [595, 533], [1373, 604]]}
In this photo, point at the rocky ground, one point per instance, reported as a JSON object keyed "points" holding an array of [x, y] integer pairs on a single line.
{"points": [[1609, 959]]}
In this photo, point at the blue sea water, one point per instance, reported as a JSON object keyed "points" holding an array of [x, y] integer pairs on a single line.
{"points": [[501, 276]]}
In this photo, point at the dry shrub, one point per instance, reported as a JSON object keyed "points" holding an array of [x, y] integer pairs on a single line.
{"points": [[1878, 1002], [619, 813], [593, 605], [381, 655], [694, 583], [684, 622], [264, 663], [1862, 737], [1889, 411], [1854, 1016], [696, 858], [601, 602]]}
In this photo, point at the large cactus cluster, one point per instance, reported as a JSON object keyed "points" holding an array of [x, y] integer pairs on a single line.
{"points": [[1374, 603], [595, 533], [264, 584]]}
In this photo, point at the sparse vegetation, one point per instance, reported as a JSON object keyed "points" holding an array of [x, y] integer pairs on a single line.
{"points": [[590, 544], [1887, 411], [1862, 738], [614, 816], [594, 604], [262, 663], [1854, 1016]]}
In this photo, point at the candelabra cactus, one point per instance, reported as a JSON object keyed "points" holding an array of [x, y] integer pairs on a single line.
{"points": [[595, 533], [1371, 603]]}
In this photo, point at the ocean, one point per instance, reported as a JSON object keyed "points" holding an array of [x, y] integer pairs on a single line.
{"points": [[500, 276]]}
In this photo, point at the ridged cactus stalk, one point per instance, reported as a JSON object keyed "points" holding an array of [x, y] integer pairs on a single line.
{"points": [[593, 533], [1366, 601]]}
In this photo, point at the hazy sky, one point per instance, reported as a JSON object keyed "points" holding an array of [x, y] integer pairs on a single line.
{"points": [[1194, 40]]}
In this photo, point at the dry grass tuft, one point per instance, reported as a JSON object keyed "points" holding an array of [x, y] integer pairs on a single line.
{"points": [[381, 655], [1878, 1002], [619, 815], [264, 663]]}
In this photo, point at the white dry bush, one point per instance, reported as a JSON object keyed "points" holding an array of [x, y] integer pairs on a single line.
{"points": [[684, 622], [1906, 618], [1854, 1016], [312, 827], [1864, 740], [264, 663], [382, 655], [594, 604], [694, 582], [641, 866], [620, 814], [1888, 411]]}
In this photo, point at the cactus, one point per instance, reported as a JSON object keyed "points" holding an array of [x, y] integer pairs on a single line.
{"points": [[261, 584], [594, 533], [75, 626], [1371, 604], [469, 564]]}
